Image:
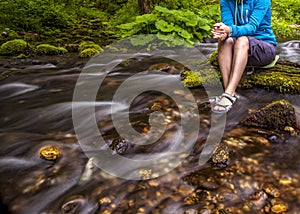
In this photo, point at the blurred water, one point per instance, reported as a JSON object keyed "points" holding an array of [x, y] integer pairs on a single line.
{"points": [[36, 110]]}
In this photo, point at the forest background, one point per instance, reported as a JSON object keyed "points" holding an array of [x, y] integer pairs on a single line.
{"points": [[66, 22]]}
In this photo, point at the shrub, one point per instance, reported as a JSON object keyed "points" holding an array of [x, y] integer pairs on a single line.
{"points": [[13, 47]]}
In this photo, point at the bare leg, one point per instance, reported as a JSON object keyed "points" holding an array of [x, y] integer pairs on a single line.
{"points": [[225, 51], [239, 62], [232, 73]]}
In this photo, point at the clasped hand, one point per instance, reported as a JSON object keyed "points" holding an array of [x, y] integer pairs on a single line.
{"points": [[220, 31]]}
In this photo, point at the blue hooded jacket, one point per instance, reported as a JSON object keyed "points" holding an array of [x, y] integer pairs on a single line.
{"points": [[248, 18]]}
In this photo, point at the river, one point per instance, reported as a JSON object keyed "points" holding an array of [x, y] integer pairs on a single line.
{"points": [[38, 107]]}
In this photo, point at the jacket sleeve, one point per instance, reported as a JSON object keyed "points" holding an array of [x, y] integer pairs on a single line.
{"points": [[259, 11], [226, 13]]}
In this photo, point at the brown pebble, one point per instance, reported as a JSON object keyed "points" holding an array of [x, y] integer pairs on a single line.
{"points": [[50, 153]]}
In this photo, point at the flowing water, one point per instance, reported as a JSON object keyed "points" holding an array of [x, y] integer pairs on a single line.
{"points": [[36, 111]]}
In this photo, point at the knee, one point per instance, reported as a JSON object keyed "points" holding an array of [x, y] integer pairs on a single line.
{"points": [[242, 42], [227, 42]]}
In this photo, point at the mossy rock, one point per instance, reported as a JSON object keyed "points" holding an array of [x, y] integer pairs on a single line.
{"points": [[89, 44], [50, 49], [277, 116], [72, 47], [207, 77], [13, 47], [22, 56], [89, 52], [213, 59], [284, 77]]}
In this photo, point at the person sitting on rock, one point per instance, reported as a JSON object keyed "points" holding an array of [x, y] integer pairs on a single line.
{"points": [[245, 37]]}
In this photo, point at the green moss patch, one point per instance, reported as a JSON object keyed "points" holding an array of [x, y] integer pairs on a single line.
{"points": [[88, 49], [284, 77], [50, 50], [13, 47], [207, 77], [89, 52]]}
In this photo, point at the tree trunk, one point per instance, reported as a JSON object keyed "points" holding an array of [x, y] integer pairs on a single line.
{"points": [[144, 6]]}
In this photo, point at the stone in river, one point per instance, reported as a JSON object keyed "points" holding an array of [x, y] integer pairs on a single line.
{"points": [[277, 116]]}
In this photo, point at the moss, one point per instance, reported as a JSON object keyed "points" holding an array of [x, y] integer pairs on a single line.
{"points": [[284, 78], [22, 56], [208, 76], [89, 52], [88, 49], [213, 59], [13, 47], [277, 116], [50, 49], [88, 44]]}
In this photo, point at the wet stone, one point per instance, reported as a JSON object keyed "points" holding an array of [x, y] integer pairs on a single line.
{"points": [[50, 153], [277, 206], [276, 116], [220, 156], [201, 181], [271, 190], [119, 145], [256, 201], [276, 139], [73, 205]]}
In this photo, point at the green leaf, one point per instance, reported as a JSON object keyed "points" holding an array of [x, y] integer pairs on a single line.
{"points": [[205, 27], [142, 40], [182, 32], [146, 18], [161, 9], [164, 26], [165, 37], [127, 26]]}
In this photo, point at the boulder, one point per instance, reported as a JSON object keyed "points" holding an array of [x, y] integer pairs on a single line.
{"points": [[277, 116]]}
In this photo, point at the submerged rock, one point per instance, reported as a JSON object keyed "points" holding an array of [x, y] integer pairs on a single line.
{"points": [[119, 145], [277, 115], [50, 153], [220, 156]]}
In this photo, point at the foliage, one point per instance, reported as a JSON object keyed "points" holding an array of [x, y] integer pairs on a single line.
{"points": [[281, 28], [109, 6], [285, 14], [182, 25], [287, 10], [13, 47], [126, 13], [50, 49], [71, 21], [33, 15]]}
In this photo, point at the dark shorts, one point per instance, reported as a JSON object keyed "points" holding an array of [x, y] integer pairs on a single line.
{"points": [[260, 52]]}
